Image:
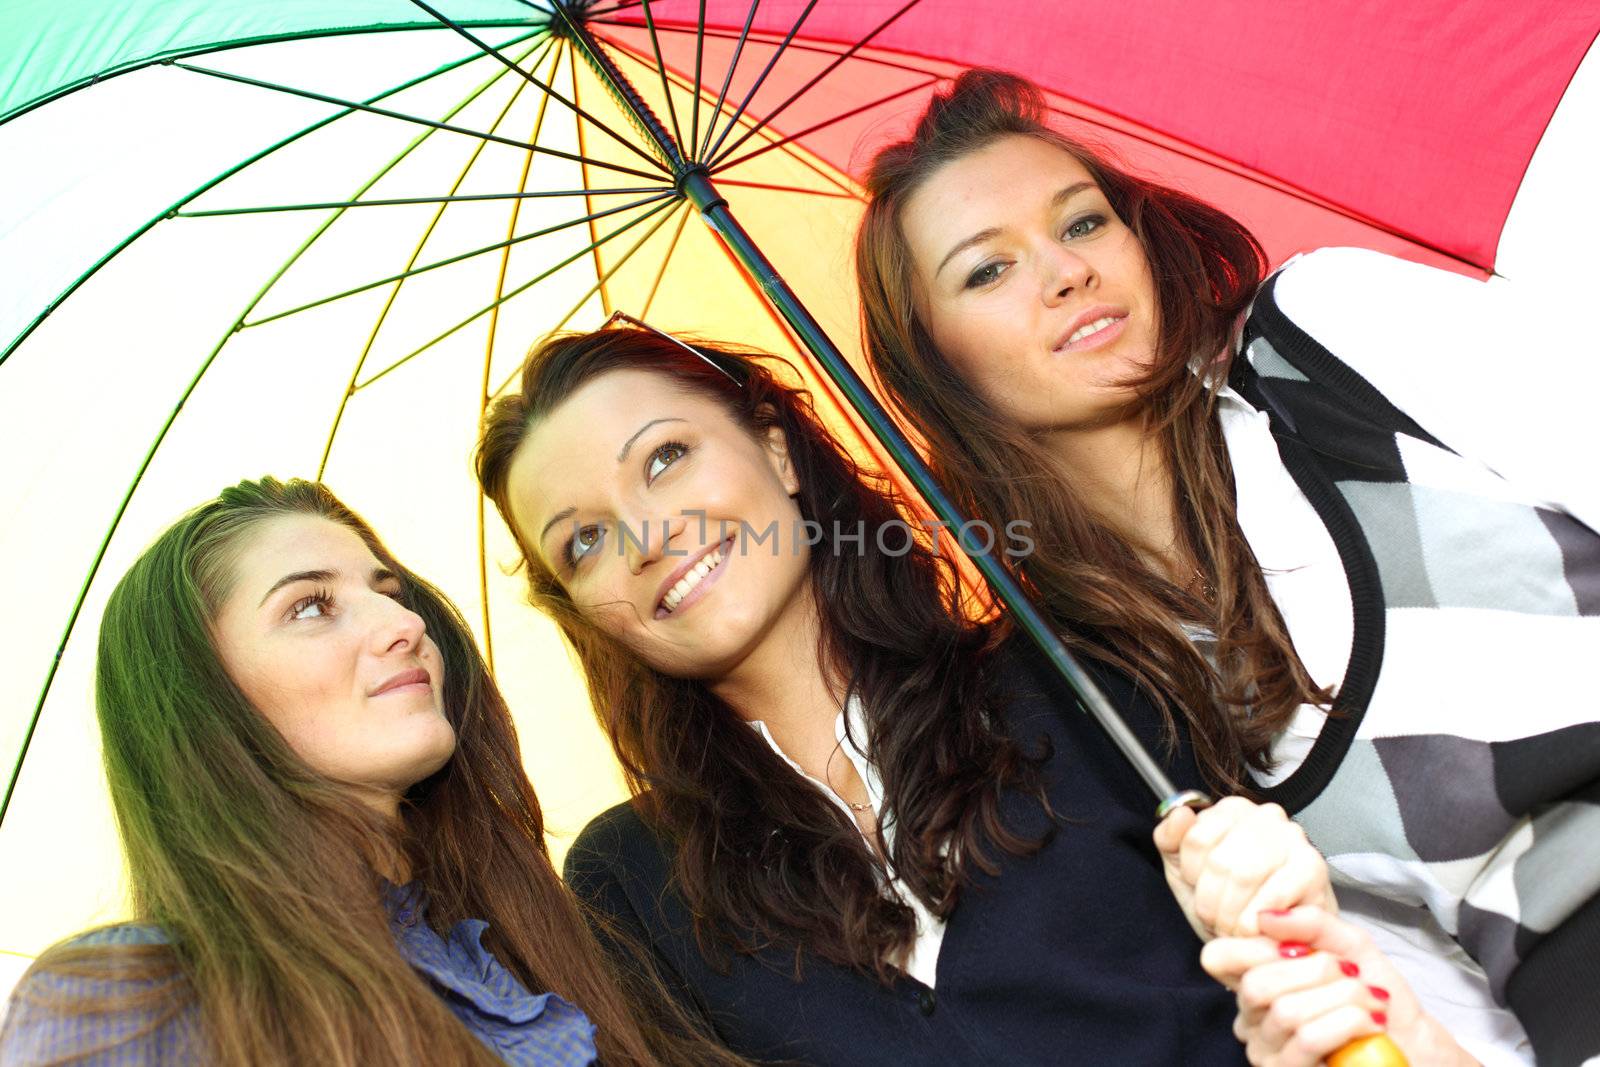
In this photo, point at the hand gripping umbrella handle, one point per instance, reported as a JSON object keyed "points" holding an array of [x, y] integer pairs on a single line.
{"points": [[1374, 1051]]}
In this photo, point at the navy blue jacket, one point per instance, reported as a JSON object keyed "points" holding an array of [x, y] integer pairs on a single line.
{"points": [[1076, 954]]}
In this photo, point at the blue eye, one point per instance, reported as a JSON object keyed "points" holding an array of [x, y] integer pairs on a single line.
{"points": [[1085, 226], [662, 458], [986, 274]]}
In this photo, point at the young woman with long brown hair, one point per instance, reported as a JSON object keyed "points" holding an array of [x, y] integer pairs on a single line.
{"points": [[864, 830], [336, 857], [1342, 608]]}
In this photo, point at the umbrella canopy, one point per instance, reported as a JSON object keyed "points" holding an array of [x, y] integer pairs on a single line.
{"points": [[315, 239]]}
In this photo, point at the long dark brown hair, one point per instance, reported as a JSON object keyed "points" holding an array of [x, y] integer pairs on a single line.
{"points": [[1090, 577], [763, 858], [261, 873]]}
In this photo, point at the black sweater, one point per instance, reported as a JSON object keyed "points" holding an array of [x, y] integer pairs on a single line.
{"points": [[1076, 954]]}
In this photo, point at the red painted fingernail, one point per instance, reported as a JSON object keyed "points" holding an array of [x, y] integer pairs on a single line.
{"points": [[1378, 991], [1381, 1018], [1280, 912], [1293, 950], [1348, 969]]}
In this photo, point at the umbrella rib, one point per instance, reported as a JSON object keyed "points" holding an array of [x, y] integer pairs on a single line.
{"points": [[733, 66], [664, 194], [596, 12], [809, 45], [413, 200], [488, 362], [572, 65], [727, 127], [771, 187], [403, 117], [808, 86], [661, 65], [416, 253], [672, 246], [699, 87], [678, 79], [809, 130], [521, 288], [490, 51], [194, 383], [249, 161], [1232, 166], [595, 288]]}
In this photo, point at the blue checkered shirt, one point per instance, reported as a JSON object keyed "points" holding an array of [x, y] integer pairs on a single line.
{"points": [[524, 1029]]}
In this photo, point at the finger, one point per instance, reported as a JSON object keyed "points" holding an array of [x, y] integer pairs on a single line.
{"points": [[1243, 862], [1171, 831], [1212, 825], [1319, 929], [1293, 1011], [1261, 986], [1322, 1037], [1227, 958], [1301, 880]]}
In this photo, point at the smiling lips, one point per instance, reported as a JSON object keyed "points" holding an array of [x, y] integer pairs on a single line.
{"points": [[405, 681], [689, 580], [1091, 328]]}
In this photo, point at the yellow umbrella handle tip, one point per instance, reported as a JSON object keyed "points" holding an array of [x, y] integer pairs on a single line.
{"points": [[1374, 1051]]}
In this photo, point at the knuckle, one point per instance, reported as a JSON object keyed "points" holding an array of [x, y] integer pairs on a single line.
{"points": [[1252, 994], [1282, 1017]]}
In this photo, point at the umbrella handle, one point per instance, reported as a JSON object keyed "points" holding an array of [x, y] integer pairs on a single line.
{"points": [[1374, 1051]]}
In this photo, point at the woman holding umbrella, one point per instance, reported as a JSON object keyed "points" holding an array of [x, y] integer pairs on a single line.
{"points": [[335, 855], [1343, 608], [863, 829]]}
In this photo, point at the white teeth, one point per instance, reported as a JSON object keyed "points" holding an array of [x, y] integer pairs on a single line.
{"points": [[1094, 327], [684, 585]]}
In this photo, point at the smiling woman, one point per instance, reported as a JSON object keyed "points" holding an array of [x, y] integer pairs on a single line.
{"points": [[1276, 500], [336, 858], [864, 828]]}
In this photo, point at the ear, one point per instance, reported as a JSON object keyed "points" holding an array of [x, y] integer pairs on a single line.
{"points": [[777, 446]]}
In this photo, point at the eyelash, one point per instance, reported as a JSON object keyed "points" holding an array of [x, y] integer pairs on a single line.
{"points": [[975, 282], [568, 556], [323, 598]]}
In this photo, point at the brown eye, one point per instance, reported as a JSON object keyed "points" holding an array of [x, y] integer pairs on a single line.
{"points": [[585, 541], [314, 606], [662, 458]]}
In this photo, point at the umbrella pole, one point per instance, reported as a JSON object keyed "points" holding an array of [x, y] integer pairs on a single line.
{"points": [[694, 182], [713, 208]]}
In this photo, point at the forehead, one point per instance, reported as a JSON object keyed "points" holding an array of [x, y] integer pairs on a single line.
{"points": [[285, 544], [574, 447], [1007, 180]]}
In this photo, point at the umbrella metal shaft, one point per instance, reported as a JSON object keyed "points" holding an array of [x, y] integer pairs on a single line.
{"points": [[694, 183]]}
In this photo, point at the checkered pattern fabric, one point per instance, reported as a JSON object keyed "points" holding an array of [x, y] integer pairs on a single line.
{"points": [[1460, 771], [525, 1030]]}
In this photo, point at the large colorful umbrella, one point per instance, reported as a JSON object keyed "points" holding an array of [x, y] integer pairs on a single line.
{"points": [[241, 237]]}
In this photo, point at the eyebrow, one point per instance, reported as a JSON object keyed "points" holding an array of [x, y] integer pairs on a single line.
{"points": [[564, 513], [629, 444], [379, 574], [983, 235]]}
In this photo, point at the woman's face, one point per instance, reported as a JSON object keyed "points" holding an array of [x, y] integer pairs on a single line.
{"points": [[669, 525], [314, 634], [1030, 285]]}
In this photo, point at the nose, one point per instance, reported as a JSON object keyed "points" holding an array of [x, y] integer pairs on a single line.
{"points": [[395, 627], [649, 541], [1062, 271]]}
